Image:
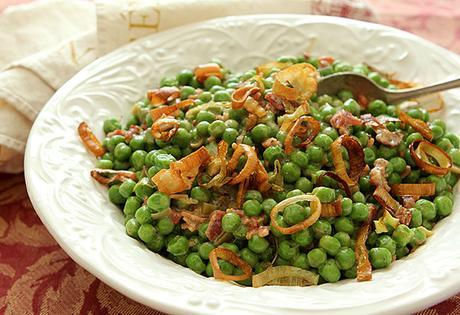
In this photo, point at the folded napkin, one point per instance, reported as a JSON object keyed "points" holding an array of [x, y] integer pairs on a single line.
{"points": [[46, 42]]}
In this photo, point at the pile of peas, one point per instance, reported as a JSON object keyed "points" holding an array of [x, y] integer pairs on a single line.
{"points": [[326, 247]]}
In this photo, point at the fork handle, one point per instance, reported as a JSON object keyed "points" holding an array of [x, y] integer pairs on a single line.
{"points": [[395, 96]]}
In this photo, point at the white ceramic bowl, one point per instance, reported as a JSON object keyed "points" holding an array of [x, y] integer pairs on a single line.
{"points": [[76, 211]]}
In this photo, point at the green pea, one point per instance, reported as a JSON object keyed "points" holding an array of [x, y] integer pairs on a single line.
{"points": [[316, 257], [184, 77], [359, 212], [288, 249], [182, 138], [253, 194], [146, 232], [321, 227], [252, 208], [260, 133], [358, 197], [419, 237], [205, 249], [377, 78], [163, 160], [217, 128], [233, 247], [178, 245], [394, 179], [258, 244], [205, 97], [443, 205], [110, 125], [115, 196], [303, 237], [137, 143], [114, 141], [273, 153], [398, 163], [401, 252], [104, 164], [200, 194], [350, 105], [267, 205], [126, 188], [165, 226], [230, 135], [300, 261], [205, 116], [132, 227], [156, 244], [325, 194], [345, 258], [329, 271], [330, 244], [347, 204], [291, 172], [202, 129], [377, 107], [363, 138], [344, 224], [138, 159], [380, 257], [437, 131], [455, 155], [453, 139], [158, 201], [345, 95], [300, 158], [168, 81], [230, 222], [122, 152], [131, 205], [331, 132], [186, 91], [402, 235], [416, 219], [212, 81], [249, 256], [195, 263], [143, 215], [304, 184], [237, 114], [444, 144], [222, 96], [315, 154], [343, 238], [427, 208], [143, 188], [323, 141], [387, 242], [386, 152], [294, 214], [369, 156]]}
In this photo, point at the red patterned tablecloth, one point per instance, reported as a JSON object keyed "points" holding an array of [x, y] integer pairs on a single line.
{"points": [[37, 276]]}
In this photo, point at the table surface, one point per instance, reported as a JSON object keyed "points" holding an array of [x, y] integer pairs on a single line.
{"points": [[38, 277]]}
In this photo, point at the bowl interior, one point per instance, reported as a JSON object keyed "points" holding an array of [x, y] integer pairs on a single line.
{"points": [[77, 212]]}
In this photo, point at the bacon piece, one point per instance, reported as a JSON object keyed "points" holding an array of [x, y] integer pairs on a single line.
{"points": [[106, 177], [261, 231], [182, 173], [378, 175], [90, 140], [128, 134], [275, 101], [215, 224], [384, 136], [343, 120], [271, 142], [163, 95], [191, 221], [409, 201], [165, 128]]}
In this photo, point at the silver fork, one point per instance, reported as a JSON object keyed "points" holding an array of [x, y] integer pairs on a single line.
{"points": [[360, 84]]}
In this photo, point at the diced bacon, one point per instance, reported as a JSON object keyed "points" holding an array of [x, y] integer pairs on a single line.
{"points": [[215, 224], [342, 120], [191, 221], [271, 142], [378, 174]]}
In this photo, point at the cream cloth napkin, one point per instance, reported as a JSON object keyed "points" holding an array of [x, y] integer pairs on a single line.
{"points": [[46, 42]]}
